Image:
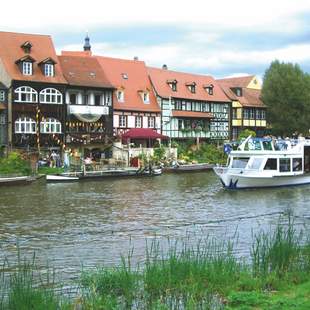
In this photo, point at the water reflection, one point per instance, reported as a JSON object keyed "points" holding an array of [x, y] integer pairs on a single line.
{"points": [[91, 223]]}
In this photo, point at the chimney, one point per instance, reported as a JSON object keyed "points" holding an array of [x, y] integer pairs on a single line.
{"points": [[165, 67], [136, 58]]}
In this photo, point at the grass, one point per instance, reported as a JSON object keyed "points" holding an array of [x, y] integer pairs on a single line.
{"points": [[50, 170], [14, 164], [182, 276]]}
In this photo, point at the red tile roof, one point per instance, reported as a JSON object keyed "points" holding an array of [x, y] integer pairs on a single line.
{"points": [[42, 48], [241, 81], [190, 114], [250, 97], [83, 71], [137, 80], [159, 78]]}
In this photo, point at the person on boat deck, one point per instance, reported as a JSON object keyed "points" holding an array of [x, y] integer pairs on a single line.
{"points": [[288, 143]]}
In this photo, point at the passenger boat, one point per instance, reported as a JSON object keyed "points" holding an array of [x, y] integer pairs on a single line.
{"points": [[259, 163], [16, 180]]}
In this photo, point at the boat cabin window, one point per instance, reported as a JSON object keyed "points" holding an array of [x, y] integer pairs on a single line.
{"points": [[297, 164], [285, 164], [271, 164], [255, 163], [240, 162]]}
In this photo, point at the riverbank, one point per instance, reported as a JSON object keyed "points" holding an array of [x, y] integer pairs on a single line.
{"points": [[181, 276]]}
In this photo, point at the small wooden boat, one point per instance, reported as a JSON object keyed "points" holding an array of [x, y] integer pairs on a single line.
{"points": [[16, 180], [189, 167], [61, 178]]}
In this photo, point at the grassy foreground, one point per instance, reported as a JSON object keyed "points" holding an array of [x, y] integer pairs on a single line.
{"points": [[204, 276]]}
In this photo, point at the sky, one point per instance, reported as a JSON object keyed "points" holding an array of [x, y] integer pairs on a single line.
{"points": [[221, 38]]}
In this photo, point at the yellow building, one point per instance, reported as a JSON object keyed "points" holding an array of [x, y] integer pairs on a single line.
{"points": [[248, 111]]}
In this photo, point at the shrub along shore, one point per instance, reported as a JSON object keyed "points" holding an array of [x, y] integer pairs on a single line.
{"points": [[204, 276]]}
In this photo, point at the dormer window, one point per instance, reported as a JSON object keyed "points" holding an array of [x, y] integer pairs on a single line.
{"points": [[146, 97], [48, 66], [191, 87], [26, 46], [172, 84], [209, 89], [27, 68], [120, 95], [49, 70], [125, 76], [238, 91]]}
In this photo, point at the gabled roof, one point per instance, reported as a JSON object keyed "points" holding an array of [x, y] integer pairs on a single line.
{"points": [[42, 48], [48, 60], [136, 80], [83, 71], [159, 78], [25, 58], [241, 81], [250, 97]]}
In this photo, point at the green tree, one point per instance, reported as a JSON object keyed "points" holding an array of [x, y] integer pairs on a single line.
{"points": [[286, 93]]}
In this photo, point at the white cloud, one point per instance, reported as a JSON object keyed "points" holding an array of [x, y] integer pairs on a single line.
{"points": [[80, 15]]}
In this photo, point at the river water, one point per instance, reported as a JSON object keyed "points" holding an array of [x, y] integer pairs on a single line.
{"points": [[87, 224]]}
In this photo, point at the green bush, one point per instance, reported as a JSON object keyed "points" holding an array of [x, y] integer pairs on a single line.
{"points": [[14, 164]]}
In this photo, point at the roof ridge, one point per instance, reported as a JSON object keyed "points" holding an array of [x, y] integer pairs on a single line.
{"points": [[122, 59], [188, 73], [26, 33]]}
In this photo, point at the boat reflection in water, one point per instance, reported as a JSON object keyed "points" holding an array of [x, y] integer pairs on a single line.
{"points": [[266, 163]]}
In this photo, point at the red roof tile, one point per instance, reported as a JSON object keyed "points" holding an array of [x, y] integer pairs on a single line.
{"points": [[132, 77], [159, 78], [250, 97], [83, 71], [190, 114], [241, 81], [42, 48]]}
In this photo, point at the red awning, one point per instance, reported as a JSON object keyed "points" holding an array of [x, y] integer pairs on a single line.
{"points": [[143, 133]]}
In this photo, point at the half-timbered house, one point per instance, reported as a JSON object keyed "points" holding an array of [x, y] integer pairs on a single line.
{"points": [[135, 105], [248, 110], [192, 105], [3, 116]]}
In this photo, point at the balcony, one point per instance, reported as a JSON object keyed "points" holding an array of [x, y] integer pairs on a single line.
{"points": [[88, 109]]}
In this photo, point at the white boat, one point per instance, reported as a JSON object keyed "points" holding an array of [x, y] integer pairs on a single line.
{"points": [[259, 163], [16, 180], [61, 178]]}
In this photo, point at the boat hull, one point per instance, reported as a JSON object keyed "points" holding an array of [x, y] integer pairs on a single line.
{"points": [[233, 181], [22, 180]]}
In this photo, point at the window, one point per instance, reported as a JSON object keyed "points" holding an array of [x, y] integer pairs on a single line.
{"points": [[178, 105], [27, 68], [120, 96], [73, 99], [2, 95], [146, 97], [258, 114], [173, 86], [125, 76], [192, 88], [86, 99], [240, 162], [108, 100], [151, 122], [25, 125], [180, 124], [97, 99], [122, 121], [138, 121], [246, 114], [256, 163], [51, 95], [238, 92], [26, 94], [263, 114], [285, 164], [209, 89], [297, 164], [252, 113], [49, 70], [50, 125]]}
